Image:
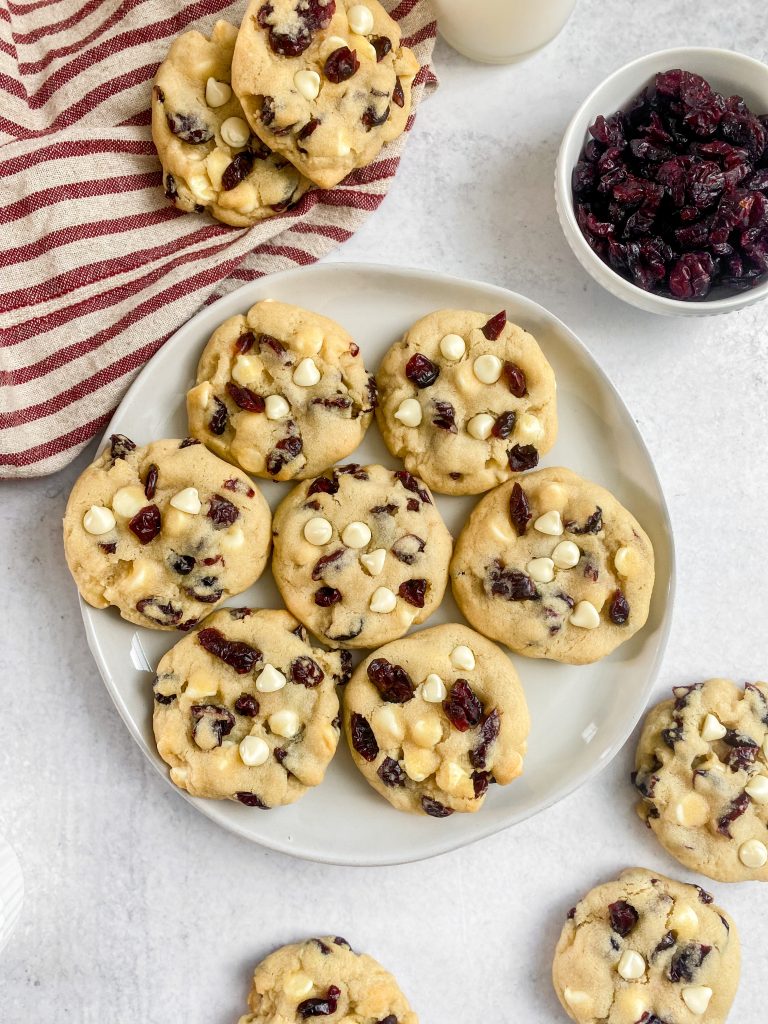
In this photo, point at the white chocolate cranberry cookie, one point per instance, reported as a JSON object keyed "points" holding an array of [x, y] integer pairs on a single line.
{"points": [[646, 949], [466, 400], [164, 532], [325, 978], [324, 82], [702, 769], [554, 567], [211, 159], [360, 554], [281, 392], [433, 718], [246, 709]]}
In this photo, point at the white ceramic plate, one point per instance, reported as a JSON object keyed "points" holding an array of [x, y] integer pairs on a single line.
{"points": [[581, 715]]}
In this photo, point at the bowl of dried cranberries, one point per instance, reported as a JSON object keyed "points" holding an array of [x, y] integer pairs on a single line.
{"points": [[662, 182]]}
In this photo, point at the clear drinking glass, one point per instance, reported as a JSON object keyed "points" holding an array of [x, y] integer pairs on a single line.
{"points": [[500, 31], [11, 891]]}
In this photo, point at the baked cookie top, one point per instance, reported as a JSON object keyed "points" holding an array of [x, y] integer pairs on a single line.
{"points": [[245, 709], [164, 532], [466, 400], [281, 392], [648, 949], [360, 554], [211, 159], [324, 82], [433, 718], [325, 978], [554, 567], [702, 769]]}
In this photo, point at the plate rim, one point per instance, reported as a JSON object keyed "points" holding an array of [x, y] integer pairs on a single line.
{"points": [[446, 843]]}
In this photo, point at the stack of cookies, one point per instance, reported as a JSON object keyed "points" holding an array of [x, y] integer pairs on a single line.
{"points": [[303, 93]]}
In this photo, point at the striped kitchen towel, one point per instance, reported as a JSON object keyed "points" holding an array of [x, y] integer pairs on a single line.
{"points": [[97, 269]]}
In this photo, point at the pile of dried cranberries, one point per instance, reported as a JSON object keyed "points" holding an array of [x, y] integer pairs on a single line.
{"points": [[673, 193]]}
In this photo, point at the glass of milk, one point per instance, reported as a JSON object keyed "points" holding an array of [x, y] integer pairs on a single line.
{"points": [[11, 891], [500, 31]]}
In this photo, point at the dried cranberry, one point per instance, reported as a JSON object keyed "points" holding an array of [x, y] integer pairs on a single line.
{"points": [[392, 681], [408, 548], [320, 1007], [421, 371], [168, 615], [211, 723], [674, 734], [247, 705], [593, 524], [146, 524], [687, 961], [165, 698], [446, 417], [519, 509], [188, 442], [398, 96], [218, 421], [493, 328], [413, 592], [462, 707], [336, 402], [382, 45], [489, 732], [327, 561], [237, 486], [667, 941], [189, 128], [238, 655], [345, 668], [309, 129], [239, 169], [270, 346], [735, 809], [245, 342], [221, 512], [434, 808], [371, 119], [704, 896], [692, 275], [385, 510], [252, 800], [150, 483], [306, 671], [341, 64], [511, 584], [591, 572], [623, 917], [522, 457], [326, 596], [183, 564], [267, 110], [480, 783], [504, 425], [390, 772], [362, 737], [410, 483], [324, 485], [245, 398], [108, 549], [286, 450], [412, 505], [171, 191], [515, 378], [120, 445], [618, 610]]}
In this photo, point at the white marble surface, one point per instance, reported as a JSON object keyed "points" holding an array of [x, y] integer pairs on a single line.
{"points": [[138, 908]]}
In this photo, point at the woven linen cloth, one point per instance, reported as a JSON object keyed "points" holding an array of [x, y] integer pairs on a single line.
{"points": [[97, 268]]}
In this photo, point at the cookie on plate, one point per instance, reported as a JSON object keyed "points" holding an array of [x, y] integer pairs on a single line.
{"points": [[325, 978], [324, 82], [466, 400], [164, 532], [245, 709], [554, 567], [646, 949], [281, 392], [433, 718], [360, 554], [211, 159], [702, 769]]}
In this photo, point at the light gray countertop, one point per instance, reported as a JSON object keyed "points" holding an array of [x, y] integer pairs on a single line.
{"points": [[137, 908]]}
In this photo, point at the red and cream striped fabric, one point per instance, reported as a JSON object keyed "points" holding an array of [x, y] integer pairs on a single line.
{"points": [[97, 269]]}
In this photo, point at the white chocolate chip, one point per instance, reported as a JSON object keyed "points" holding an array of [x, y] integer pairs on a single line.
{"points": [[757, 789], [541, 570], [128, 500], [318, 531], [566, 554], [409, 412], [387, 725], [232, 539], [200, 684], [550, 523], [712, 729], [217, 93], [235, 132], [631, 966], [284, 722], [753, 853], [307, 83], [585, 616], [297, 985], [453, 779], [480, 426], [245, 369], [577, 1000], [308, 340], [418, 762], [383, 600], [463, 657], [142, 571], [306, 374], [356, 535], [333, 43], [433, 689], [201, 188], [373, 561], [427, 732], [622, 561], [684, 920], [98, 520], [276, 407], [343, 147], [692, 811], [175, 522], [270, 679], [452, 347], [629, 1004], [187, 501], [696, 998], [360, 19], [487, 369], [528, 427], [253, 751]]}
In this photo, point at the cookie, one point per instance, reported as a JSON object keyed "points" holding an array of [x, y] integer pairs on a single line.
{"points": [[325, 978], [646, 949], [164, 532], [360, 554], [281, 392], [324, 82], [433, 718], [211, 159], [466, 400], [702, 769], [245, 709], [554, 567]]}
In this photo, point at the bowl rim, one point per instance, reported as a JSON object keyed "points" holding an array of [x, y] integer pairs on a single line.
{"points": [[586, 255]]}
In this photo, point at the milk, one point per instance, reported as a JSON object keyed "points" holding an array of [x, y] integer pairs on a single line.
{"points": [[500, 31]]}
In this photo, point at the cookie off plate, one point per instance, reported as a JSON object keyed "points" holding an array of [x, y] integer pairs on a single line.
{"points": [[581, 715]]}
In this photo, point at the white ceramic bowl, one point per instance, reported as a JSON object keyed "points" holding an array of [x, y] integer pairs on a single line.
{"points": [[726, 71]]}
